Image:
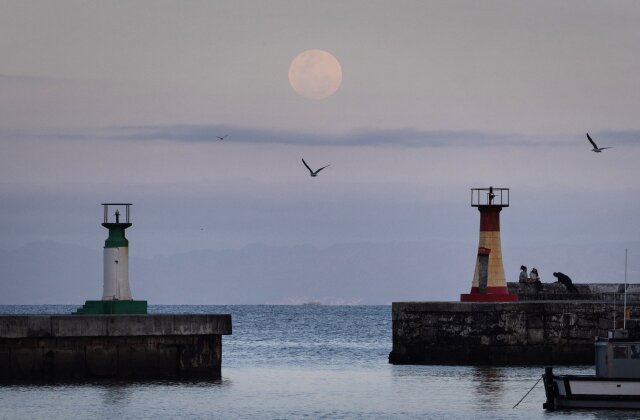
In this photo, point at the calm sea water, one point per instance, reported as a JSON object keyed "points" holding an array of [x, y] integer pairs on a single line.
{"points": [[299, 362]]}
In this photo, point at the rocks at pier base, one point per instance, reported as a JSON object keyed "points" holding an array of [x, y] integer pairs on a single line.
{"points": [[37, 348], [514, 333]]}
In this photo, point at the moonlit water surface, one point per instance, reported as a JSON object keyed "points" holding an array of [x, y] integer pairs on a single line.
{"points": [[299, 361]]}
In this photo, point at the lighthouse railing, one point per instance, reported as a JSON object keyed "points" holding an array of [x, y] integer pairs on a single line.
{"points": [[491, 196], [119, 206]]}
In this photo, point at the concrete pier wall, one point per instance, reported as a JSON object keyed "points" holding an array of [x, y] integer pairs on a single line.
{"points": [[85, 347], [517, 333], [605, 292]]}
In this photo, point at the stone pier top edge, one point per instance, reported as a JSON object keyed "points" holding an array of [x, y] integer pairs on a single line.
{"points": [[33, 326], [525, 306]]}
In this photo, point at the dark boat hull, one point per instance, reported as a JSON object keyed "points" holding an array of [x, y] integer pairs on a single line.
{"points": [[577, 391]]}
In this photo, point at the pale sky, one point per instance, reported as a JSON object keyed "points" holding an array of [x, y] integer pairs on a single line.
{"points": [[122, 101]]}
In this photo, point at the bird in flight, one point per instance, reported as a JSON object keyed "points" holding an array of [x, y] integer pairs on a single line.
{"points": [[595, 147], [223, 137], [311, 172]]}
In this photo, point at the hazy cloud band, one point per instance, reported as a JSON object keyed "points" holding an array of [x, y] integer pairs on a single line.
{"points": [[400, 138], [404, 137]]}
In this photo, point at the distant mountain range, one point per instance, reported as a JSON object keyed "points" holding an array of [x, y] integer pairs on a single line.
{"points": [[354, 273]]}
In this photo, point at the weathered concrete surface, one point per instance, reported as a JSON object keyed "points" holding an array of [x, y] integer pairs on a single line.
{"points": [[81, 347], [586, 291], [515, 333]]}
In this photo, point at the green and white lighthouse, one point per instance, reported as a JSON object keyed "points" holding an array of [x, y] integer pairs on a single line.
{"points": [[116, 256], [116, 293]]}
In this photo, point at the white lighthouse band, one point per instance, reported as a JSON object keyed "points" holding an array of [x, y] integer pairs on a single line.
{"points": [[116, 274]]}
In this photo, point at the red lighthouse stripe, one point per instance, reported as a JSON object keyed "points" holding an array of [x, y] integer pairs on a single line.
{"points": [[489, 218]]}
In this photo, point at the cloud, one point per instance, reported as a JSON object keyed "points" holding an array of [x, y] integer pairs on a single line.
{"points": [[391, 138], [618, 137], [21, 79], [399, 137], [402, 137]]}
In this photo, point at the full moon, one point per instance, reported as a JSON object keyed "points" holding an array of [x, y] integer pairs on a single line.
{"points": [[315, 74]]}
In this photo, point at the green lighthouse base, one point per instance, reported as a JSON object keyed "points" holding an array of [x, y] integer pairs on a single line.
{"points": [[106, 307]]}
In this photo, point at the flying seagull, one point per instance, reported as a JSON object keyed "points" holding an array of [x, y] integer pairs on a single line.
{"points": [[223, 137], [312, 173], [595, 147]]}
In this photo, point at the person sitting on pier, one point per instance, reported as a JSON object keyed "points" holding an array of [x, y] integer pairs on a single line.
{"points": [[534, 278], [530, 279], [566, 280], [534, 274]]}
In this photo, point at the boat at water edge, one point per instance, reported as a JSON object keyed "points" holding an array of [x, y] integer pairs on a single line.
{"points": [[616, 383]]}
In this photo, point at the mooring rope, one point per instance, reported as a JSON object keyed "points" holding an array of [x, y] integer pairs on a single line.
{"points": [[525, 395]]}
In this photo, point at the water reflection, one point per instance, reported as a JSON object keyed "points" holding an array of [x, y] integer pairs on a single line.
{"points": [[488, 385], [116, 395]]}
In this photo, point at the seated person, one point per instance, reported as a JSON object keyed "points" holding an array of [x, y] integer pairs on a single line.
{"points": [[535, 278], [534, 275], [524, 277], [566, 280]]}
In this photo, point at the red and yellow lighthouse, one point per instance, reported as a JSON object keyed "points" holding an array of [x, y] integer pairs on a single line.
{"points": [[489, 283]]}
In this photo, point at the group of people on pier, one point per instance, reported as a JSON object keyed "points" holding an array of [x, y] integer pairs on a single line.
{"points": [[534, 279], [530, 278]]}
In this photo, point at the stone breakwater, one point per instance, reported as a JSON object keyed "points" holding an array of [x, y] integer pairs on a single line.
{"points": [[515, 333], [548, 325], [87, 347], [605, 292]]}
